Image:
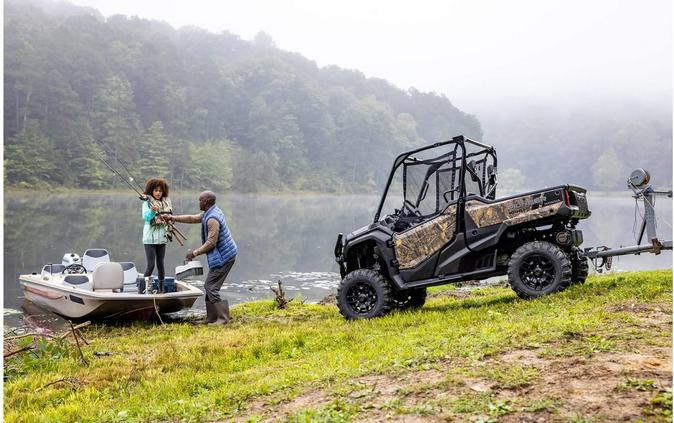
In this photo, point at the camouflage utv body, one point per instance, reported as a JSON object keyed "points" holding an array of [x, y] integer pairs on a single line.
{"points": [[450, 227]]}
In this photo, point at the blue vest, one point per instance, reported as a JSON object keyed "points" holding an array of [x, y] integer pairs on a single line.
{"points": [[225, 249]]}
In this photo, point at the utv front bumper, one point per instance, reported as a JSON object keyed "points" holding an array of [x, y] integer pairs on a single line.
{"points": [[339, 257]]}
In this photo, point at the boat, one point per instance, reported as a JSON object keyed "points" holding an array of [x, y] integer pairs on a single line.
{"points": [[95, 288]]}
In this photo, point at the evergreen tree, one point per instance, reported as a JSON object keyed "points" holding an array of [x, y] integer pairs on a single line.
{"points": [[31, 159], [153, 153]]}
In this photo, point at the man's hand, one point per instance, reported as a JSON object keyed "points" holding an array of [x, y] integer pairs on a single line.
{"points": [[190, 255]]}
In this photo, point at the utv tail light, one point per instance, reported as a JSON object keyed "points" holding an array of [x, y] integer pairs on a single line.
{"points": [[567, 200]]}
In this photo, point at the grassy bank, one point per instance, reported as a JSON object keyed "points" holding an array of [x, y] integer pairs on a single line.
{"points": [[483, 355]]}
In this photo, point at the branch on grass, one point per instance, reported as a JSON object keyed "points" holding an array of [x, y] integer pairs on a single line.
{"points": [[71, 380], [280, 299], [74, 330]]}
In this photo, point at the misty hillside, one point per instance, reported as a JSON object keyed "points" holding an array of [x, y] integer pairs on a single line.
{"points": [[205, 110], [596, 143]]}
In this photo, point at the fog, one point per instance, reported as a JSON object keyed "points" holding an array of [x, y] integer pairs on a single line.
{"points": [[483, 55]]}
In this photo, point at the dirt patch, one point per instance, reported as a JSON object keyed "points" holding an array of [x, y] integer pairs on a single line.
{"points": [[330, 299], [459, 293], [613, 386]]}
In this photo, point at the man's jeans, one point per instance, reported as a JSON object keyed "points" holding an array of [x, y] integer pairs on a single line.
{"points": [[215, 279]]}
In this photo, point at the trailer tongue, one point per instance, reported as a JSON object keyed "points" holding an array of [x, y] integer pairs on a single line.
{"points": [[639, 183]]}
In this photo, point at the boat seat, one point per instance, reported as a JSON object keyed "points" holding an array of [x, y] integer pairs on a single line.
{"points": [[51, 269], [93, 257], [108, 277], [79, 281], [130, 276]]}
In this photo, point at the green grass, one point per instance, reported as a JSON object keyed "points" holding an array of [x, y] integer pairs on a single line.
{"points": [[183, 372]]}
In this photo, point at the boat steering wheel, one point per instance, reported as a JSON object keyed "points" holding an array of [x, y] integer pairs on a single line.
{"points": [[74, 269]]}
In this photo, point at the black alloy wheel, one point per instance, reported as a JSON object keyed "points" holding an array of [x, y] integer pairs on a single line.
{"points": [[537, 271], [361, 297]]}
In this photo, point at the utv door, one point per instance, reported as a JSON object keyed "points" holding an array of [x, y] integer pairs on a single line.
{"points": [[431, 192]]}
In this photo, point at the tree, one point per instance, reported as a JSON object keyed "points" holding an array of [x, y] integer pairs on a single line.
{"points": [[210, 165], [153, 152], [31, 159], [117, 125], [607, 171], [85, 169]]}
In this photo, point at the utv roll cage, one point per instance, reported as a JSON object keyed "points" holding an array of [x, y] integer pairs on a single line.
{"points": [[456, 160]]}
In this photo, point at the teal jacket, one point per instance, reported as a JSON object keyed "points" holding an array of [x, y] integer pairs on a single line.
{"points": [[152, 234]]}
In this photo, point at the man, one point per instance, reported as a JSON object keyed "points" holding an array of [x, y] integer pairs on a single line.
{"points": [[220, 250]]}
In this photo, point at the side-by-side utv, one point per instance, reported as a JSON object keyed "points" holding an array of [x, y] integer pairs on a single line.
{"points": [[449, 227]]}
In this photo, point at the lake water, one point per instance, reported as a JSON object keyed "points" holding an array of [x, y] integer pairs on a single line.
{"points": [[284, 237]]}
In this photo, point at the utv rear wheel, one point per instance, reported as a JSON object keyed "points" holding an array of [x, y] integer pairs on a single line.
{"points": [[409, 299], [539, 268], [579, 269], [363, 294]]}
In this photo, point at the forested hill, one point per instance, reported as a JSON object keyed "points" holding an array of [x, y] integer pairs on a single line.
{"points": [[202, 109]]}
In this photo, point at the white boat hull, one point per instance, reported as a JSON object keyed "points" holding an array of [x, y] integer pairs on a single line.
{"points": [[80, 304]]}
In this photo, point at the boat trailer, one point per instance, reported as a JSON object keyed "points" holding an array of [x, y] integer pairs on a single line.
{"points": [[639, 183]]}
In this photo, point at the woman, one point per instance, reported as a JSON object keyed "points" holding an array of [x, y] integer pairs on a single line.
{"points": [[154, 230]]}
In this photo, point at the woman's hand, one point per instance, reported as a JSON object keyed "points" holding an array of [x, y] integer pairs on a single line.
{"points": [[154, 207]]}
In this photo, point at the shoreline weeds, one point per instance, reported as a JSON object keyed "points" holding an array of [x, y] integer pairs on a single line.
{"points": [[596, 352]]}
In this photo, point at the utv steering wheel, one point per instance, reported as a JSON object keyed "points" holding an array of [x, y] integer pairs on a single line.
{"points": [[409, 206], [74, 269]]}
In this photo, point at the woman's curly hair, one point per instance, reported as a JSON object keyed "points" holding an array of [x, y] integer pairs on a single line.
{"points": [[153, 183]]}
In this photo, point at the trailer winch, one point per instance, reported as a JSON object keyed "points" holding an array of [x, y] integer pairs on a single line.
{"points": [[640, 184]]}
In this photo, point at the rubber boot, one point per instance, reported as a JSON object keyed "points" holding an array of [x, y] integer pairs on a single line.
{"points": [[221, 313], [210, 314], [161, 286]]}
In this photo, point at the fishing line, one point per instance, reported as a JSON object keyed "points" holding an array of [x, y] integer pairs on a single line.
{"points": [[109, 153], [139, 192]]}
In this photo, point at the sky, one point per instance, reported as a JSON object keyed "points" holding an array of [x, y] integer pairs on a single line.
{"points": [[481, 54]]}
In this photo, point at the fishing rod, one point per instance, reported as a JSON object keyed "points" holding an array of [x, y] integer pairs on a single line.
{"points": [[109, 153], [141, 195], [173, 231]]}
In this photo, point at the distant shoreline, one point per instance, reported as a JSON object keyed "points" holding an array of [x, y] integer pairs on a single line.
{"points": [[75, 191]]}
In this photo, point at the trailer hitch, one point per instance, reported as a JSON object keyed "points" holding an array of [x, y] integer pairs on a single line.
{"points": [[639, 183]]}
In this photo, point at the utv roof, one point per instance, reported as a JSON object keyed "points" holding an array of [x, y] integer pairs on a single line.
{"points": [[460, 139]]}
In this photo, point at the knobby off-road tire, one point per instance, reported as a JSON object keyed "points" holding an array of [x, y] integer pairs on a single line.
{"points": [[409, 299], [580, 267], [363, 294], [539, 268]]}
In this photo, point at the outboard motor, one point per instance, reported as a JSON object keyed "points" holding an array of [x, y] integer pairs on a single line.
{"points": [[71, 258]]}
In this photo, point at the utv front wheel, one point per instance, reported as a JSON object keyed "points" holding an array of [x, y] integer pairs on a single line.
{"points": [[539, 268], [363, 294], [409, 299]]}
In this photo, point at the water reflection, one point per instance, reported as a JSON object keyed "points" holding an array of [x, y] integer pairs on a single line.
{"points": [[279, 237]]}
